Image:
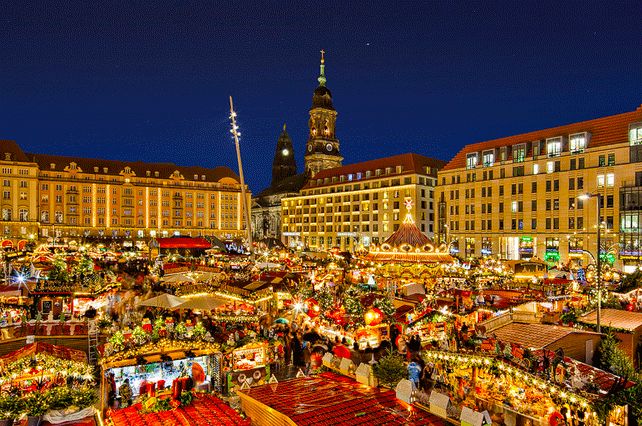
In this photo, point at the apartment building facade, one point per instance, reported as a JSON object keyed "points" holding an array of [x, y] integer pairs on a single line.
{"points": [[357, 205], [50, 196], [519, 197]]}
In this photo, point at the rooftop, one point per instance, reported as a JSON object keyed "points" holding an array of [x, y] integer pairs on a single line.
{"points": [[114, 167], [615, 318], [410, 164], [603, 131], [536, 336]]}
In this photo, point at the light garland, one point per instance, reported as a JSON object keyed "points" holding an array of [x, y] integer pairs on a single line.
{"points": [[163, 345], [42, 364], [488, 362]]}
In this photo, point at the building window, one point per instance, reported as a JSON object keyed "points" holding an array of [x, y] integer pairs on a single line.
{"points": [[519, 153], [611, 161], [554, 147], [600, 181], [471, 161], [577, 143], [550, 166], [488, 158], [635, 134], [610, 180], [535, 169]]}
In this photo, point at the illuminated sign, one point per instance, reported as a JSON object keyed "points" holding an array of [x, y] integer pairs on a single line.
{"points": [[346, 234], [291, 234]]}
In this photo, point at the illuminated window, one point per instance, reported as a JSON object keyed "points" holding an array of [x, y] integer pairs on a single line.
{"points": [[554, 147], [600, 181], [610, 180], [535, 169], [635, 134], [519, 153], [577, 143], [471, 161], [488, 158]]}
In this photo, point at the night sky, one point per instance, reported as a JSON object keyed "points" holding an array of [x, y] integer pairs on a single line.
{"points": [[151, 82]]}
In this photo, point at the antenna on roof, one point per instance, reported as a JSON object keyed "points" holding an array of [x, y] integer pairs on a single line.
{"points": [[236, 134]]}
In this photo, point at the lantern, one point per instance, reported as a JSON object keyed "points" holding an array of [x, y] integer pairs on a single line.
{"points": [[373, 316], [313, 307]]}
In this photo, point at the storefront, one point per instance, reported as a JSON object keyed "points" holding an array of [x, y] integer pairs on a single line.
{"points": [[526, 247], [248, 365], [160, 375], [512, 394]]}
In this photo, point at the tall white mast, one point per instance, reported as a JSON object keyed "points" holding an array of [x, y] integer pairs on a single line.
{"points": [[235, 132]]}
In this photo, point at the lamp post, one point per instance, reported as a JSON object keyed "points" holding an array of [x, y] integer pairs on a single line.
{"points": [[598, 260]]}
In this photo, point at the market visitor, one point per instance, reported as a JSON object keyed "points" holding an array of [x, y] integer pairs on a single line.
{"points": [[125, 393], [307, 357], [414, 372]]}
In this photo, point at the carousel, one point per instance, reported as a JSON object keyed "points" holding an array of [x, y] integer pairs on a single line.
{"points": [[408, 255]]}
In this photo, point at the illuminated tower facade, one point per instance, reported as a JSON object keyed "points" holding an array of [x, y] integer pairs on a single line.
{"points": [[322, 149]]}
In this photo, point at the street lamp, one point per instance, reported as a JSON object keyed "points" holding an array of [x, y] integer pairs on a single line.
{"points": [[598, 257]]}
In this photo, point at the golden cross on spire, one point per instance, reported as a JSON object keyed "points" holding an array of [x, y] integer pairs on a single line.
{"points": [[322, 57]]}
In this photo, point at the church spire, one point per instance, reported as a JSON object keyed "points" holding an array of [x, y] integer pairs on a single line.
{"points": [[321, 78]]}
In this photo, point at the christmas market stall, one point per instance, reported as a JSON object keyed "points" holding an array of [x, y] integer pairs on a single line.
{"points": [[158, 357], [518, 386], [46, 380], [248, 365]]}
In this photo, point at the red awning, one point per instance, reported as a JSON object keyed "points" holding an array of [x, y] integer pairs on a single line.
{"points": [[184, 242]]}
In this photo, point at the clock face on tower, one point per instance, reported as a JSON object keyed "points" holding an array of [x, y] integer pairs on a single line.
{"points": [[328, 147]]}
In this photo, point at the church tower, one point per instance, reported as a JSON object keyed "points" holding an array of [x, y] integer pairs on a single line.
{"points": [[284, 164], [322, 149]]}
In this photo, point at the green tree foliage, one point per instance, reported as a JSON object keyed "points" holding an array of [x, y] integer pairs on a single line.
{"points": [[390, 369], [59, 272], [611, 357]]}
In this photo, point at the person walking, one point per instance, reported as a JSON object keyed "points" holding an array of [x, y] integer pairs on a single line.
{"points": [[307, 357]]}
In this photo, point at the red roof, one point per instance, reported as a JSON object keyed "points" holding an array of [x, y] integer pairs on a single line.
{"points": [[604, 131], [184, 242], [61, 352], [410, 163], [204, 410], [331, 399]]}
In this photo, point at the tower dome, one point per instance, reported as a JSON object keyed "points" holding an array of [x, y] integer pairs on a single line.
{"points": [[284, 164]]}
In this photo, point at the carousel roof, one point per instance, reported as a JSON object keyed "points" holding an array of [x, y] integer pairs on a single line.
{"points": [[408, 233], [408, 244], [412, 257]]}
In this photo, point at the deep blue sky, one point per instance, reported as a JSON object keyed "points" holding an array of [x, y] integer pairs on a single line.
{"points": [[151, 82]]}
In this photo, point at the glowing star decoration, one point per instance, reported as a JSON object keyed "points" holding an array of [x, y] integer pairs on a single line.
{"points": [[408, 203]]}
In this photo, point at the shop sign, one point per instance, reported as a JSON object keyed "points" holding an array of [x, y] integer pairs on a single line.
{"points": [[291, 234], [346, 234]]}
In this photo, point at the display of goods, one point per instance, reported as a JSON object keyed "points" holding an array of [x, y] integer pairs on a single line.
{"points": [[205, 410]]}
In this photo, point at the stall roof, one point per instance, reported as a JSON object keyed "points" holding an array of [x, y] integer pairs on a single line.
{"points": [[61, 352], [184, 242], [536, 336], [335, 399], [615, 318]]}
